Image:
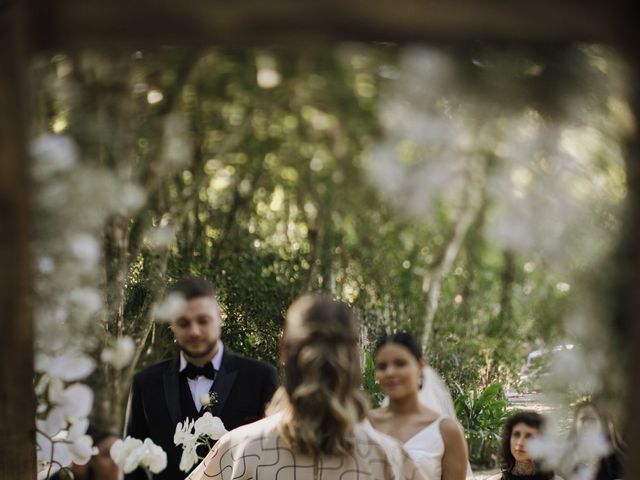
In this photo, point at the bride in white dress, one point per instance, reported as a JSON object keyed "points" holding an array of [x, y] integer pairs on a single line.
{"points": [[433, 438]]}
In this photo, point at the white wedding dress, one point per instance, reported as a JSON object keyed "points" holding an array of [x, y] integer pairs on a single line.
{"points": [[426, 449]]}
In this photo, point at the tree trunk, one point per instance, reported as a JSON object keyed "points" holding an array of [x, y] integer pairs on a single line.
{"points": [[17, 402], [473, 207], [116, 266], [499, 325]]}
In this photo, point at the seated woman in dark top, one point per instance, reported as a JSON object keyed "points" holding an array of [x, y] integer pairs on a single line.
{"points": [[516, 462]]}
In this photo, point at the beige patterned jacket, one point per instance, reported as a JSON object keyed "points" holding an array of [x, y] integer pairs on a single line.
{"points": [[257, 452]]}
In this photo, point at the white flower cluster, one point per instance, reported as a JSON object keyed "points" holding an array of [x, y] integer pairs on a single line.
{"points": [[61, 436], [72, 202], [60, 449], [579, 456], [192, 433], [121, 354], [543, 179], [133, 453], [169, 308]]}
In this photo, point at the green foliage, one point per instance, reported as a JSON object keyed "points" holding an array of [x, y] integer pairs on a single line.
{"points": [[273, 200], [482, 414], [369, 383]]}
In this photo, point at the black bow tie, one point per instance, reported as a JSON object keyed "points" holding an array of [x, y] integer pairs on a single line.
{"points": [[191, 371]]}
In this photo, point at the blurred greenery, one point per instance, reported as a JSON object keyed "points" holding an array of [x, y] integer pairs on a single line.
{"points": [[482, 413], [369, 382], [263, 188]]}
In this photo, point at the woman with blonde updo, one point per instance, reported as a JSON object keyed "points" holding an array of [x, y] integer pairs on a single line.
{"points": [[318, 432]]}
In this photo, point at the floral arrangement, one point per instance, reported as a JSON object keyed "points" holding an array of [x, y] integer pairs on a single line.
{"points": [[73, 200], [194, 433], [133, 453]]}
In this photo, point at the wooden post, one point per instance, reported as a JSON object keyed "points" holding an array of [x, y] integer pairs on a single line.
{"points": [[17, 404], [629, 261], [630, 306], [82, 23]]}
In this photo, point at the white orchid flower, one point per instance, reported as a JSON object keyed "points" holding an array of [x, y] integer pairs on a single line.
{"points": [[86, 247], [50, 453], [132, 453], [116, 450], [210, 426], [192, 433], [58, 448], [161, 236], [177, 148], [88, 299], [547, 448], [121, 354], [43, 383], [133, 460], [45, 471], [188, 459], [45, 264], [53, 153], [68, 367], [171, 307], [592, 444], [127, 454], [76, 401], [55, 422], [78, 428], [56, 388], [155, 458], [183, 434], [121, 449], [130, 199], [82, 449]]}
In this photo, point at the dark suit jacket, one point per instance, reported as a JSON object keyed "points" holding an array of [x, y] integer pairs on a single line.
{"points": [[244, 386]]}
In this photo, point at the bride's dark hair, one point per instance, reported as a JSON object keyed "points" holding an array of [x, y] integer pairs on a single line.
{"points": [[322, 377], [401, 338]]}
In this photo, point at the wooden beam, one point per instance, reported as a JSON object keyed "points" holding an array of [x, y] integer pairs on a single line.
{"points": [[79, 23], [17, 404], [628, 288]]}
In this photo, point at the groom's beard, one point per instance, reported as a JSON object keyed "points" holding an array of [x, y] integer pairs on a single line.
{"points": [[200, 353]]}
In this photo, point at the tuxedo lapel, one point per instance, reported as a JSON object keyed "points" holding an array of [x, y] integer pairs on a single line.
{"points": [[224, 381], [171, 383]]}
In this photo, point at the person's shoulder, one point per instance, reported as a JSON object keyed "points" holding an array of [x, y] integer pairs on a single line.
{"points": [[243, 445], [450, 427]]}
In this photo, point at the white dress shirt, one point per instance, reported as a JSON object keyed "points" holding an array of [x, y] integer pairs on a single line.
{"points": [[201, 385]]}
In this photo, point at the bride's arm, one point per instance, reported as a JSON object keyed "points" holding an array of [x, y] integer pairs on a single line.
{"points": [[455, 458]]}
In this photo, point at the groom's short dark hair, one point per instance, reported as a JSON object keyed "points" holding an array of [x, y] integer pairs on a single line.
{"points": [[193, 287]]}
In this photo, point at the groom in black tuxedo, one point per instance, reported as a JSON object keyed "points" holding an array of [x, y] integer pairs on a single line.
{"points": [[168, 392]]}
